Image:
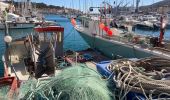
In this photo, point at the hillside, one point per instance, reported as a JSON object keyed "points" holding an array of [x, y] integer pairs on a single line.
{"points": [[158, 4], [44, 8], [161, 3]]}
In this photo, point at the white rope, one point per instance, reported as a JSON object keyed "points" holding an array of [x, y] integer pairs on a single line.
{"points": [[139, 81]]}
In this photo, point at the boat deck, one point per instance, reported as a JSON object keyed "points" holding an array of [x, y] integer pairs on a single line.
{"points": [[96, 57]]}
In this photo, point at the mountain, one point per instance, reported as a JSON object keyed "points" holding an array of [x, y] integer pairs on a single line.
{"points": [[44, 8], [161, 7], [161, 3]]}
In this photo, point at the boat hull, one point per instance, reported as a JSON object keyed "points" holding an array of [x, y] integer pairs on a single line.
{"points": [[140, 26], [17, 25], [111, 49]]}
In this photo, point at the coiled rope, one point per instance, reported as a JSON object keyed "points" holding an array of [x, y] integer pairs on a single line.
{"points": [[143, 76]]}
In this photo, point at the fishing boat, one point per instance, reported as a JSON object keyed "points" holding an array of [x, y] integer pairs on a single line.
{"points": [[25, 56], [37, 56], [114, 42]]}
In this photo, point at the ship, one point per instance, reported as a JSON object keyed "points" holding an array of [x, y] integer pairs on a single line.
{"points": [[121, 43]]}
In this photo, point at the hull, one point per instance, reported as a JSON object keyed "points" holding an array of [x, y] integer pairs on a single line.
{"points": [[141, 26], [18, 25], [168, 26], [111, 49]]}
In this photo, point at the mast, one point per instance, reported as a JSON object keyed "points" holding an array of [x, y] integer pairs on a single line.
{"points": [[79, 6], [86, 7], [137, 6], [161, 32]]}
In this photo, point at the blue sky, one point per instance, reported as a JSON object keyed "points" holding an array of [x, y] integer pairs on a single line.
{"points": [[75, 3]]}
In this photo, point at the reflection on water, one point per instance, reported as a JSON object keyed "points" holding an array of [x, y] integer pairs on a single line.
{"points": [[72, 39], [154, 33]]}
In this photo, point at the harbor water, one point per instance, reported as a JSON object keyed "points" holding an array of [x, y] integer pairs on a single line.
{"points": [[72, 39]]}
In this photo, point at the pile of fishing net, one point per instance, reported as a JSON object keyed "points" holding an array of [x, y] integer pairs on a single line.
{"points": [[147, 76], [3, 92], [74, 83]]}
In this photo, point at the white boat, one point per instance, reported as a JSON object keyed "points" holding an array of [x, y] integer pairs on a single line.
{"points": [[16, 22], [26, 19], [150, 18], [148, 22]]}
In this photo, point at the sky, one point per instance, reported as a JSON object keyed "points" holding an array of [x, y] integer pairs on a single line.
{"points": [[75, 3]]}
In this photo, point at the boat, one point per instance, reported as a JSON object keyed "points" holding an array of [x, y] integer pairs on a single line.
{"points": [[168, 22], [37, 55], [148, 22], [147, 25], [121, 43], [24, 57], [16, 22], [13, 20], [22, 20]]}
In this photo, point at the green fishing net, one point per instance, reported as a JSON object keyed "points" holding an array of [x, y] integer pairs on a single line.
{"points": [[3, 92], [74, 83]]}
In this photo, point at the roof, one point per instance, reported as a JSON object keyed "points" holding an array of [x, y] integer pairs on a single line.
{"points": [[49, 29]]}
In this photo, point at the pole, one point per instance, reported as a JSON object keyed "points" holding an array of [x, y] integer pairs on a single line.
{"points": [[79, 6], [6, 33], [161, 31], [76, 58]]}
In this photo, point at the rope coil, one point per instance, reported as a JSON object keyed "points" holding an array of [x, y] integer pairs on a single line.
{"points": [[142, 76]]}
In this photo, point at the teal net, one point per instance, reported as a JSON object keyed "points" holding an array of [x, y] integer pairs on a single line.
{"points": [[3, 92], [74, 83]]}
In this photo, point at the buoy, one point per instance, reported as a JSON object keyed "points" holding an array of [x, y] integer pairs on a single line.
{"points": [[110, 33], [106, 28], [8, 39], [101, 26], [73, 21]]}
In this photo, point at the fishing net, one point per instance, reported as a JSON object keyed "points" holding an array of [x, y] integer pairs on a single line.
{"points": [[3, 92], [74, 83]]}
